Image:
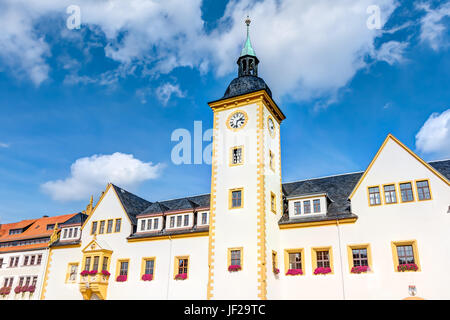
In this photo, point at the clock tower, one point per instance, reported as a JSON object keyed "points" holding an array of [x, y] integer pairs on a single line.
{"points": [[246, 193]]}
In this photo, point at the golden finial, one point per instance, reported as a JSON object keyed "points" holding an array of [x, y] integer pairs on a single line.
{"points": [[89, 206]]}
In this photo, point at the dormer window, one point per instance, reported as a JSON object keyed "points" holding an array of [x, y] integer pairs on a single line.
{"points": [[149, 224], [301, 206], [307, 206], [297, 208], [50, 226], [15, 231], [316, 204]]}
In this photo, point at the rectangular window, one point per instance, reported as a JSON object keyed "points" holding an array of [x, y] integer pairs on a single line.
{"points": [[374, 196], [34, 281], [39, 259], [1, 263], [182, 266], [297, 208], [179, 220], [50, 226], [94, 227], [149, 224], [105, 263], [323, 259], [16, 262], [142, 225], [65, 234], [406, 192], [32, 259], [204, 218], [360, 257], [273, 202], [11, 280], [295, 260], [274, 261], [123, 268], [307, 206], [118, 222], [236, 155], [110, 226], [155, 223], [149, 266], [73, 272], [87, 263], [389, 194], [423, 190], [70, 232], [271, 161], [25, 260], [316, 204], [236, 199], [102, 227], [75, 231], [405, 254], [186, 220], [96, 262], [172, 222], [235, 258]]}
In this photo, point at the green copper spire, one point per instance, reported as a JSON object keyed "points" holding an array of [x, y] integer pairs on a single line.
{"points": [[248, 49]]}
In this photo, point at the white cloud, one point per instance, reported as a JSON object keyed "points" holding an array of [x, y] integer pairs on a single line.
{"points": [[434, 136], [165, 92], [4, 145], [432, 25], [391, 52], [89, 175], [308, 49]]}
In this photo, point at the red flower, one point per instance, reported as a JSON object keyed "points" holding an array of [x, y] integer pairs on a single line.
{"points": [[322, 270], [31, 289], [121, 278], [181, 276], [294, 272], [147, 277], [407, 267], [18, 289], [93, 272], [84, 273], [360, 269], [105, 273], [234, 268], [276, 270]]}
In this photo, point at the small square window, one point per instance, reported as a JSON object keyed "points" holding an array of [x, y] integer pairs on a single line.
{"points": [[236, 155], [236, 199]]}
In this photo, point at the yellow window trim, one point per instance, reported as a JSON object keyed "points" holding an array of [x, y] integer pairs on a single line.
{"points": [[241, 250], [119, 261], [231, 156], [230, 198], [92, 227], [115, 224], [271, 160], [412, 190], [275, 259], [412, 243], [175, 265], [69, 266], [231, 115], [368, 196], [314, 257], [112, 225], [100, 226], [286, 260], [144, 261], [350, 255], [395, 191], [273, 207], [429, 189]]}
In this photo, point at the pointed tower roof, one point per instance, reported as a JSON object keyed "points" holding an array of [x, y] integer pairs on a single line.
{"points": [[248, 49]]}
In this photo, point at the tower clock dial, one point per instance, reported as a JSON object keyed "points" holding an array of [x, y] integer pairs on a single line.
{"points": [[271, 126], [237, 120]]}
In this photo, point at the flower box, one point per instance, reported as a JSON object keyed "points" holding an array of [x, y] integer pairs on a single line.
{"points": [[93, 272], [5, 291], [106, 273], [360, 269], [181, 276], [294, 272], [234, 268], [31, 289], [121, 278], [147, 277], [407, 267], [18, 289], [84, 273], [276, 270], [322, 270]]}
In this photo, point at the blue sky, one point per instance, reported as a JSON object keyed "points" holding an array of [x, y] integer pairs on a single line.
{"points": [[86, 106]]}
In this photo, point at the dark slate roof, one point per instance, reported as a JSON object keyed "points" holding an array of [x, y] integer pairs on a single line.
{"points": [[443, 166], [246, 84], [59, 243], [155, 207], [164, 232], [337, 188], [188, 203], [79, 218], [133, 204]]}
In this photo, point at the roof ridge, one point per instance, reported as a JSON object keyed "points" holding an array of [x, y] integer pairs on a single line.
{"points": [[180, 198], [442, 160], [331, 176]]}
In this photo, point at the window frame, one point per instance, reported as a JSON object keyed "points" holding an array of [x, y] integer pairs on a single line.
{"points": [[299, 206], [395, 192], [100, 227], [115, 224], [143, 265], [108, 230], [429, 189], [352, 247], [230, 198], [175, 266], [412, 191], [309, 207], [69, 268], [271, 160], [286, 260], [119, 264], [314, 201], [231, 164], [379, 196], [241, 257], [413, 243], [94, 231], [314, 251], [273, 202]]}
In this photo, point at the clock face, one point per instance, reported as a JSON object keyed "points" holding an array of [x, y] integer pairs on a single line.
{"points": [[237, 120], [271, 126]]}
